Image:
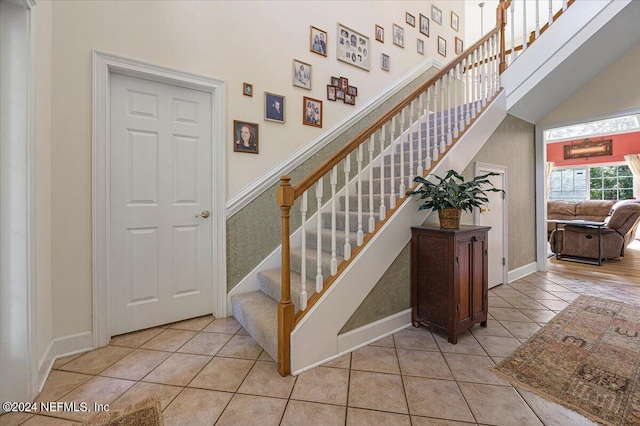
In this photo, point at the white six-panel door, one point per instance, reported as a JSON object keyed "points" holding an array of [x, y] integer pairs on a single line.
{"points": [[161, 266]]}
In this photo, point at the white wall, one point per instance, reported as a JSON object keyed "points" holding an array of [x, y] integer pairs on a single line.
{"points": [[43, 14], [235, 41]]}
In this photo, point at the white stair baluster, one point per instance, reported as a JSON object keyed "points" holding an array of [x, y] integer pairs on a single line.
{"points": [[392, 136], [372, 221], [443, 136], [474, 67], [565, 4], [456, 114], [479, 82], [524, 25], [319, 278], [490, 66], [513, 31], [537, 19], [383, 209], [420, 168], [498, 81], [412, 166], [467, 99], [436, 149], [402, 188], [550, 12], [303, 266], [485, 81], [431, 155], [449, 108], [360, 232], [333, 180], [347, 243]]}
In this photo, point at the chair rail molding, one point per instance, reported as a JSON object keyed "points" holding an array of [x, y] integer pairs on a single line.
{"points": [[104, 65]]}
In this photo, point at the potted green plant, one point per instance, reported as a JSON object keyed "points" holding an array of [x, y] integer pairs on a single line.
{"points": [[452, 194]]}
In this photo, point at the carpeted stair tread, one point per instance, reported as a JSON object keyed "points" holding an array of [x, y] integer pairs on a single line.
{"points": [[271, 284], [353, 219], [312, 264], [396, 172], [312, 240], [376, 186], [258, 314], [353, 200]]}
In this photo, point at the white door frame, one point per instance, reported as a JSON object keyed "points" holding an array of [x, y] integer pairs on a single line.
{"points": [[103, 66], [483, 168], [18, 305]]}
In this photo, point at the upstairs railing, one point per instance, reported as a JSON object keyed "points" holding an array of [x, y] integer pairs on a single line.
{"points": [[405, 142]]}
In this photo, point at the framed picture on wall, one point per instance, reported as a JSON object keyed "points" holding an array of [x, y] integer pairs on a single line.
{"points": [[245, 136], [385, 62], [353, 47], [331, 92], [301, 74], [274, 107], [442, 46], [421, 46], [349, 99], [424, 25], [410, 19], [340, 94], [398, 35], [436, 15], [379, 34], [318, 41], [247, 89], [459, 46], [455, 21], [311, 112]]}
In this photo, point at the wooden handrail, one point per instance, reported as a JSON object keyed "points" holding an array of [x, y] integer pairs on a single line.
{"points": [[328, 164]]}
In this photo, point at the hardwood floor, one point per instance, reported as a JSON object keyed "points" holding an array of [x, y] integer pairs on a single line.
{"points": [[623, 271]]}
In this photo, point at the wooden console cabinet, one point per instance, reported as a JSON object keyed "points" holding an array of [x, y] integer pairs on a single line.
{"points": [[449, 278]]}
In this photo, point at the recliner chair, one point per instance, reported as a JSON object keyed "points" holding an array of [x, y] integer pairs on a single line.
{"points": [[620, 230]]}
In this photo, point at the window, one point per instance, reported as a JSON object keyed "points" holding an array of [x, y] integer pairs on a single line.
{"points": [[613, 182], [610, 183], [603, 127]]}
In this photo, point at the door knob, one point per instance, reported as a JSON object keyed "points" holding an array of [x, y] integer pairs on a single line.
{"points": [[205, 214]]}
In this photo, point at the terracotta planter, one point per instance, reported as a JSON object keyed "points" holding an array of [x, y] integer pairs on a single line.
{"points": [[449, 218]]}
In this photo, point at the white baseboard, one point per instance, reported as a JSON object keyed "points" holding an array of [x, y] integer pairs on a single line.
{"points": [[59, 348], [522, 271], [362, 336]]}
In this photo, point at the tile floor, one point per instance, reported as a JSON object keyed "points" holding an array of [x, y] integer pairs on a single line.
{"points": [[208, 371]]}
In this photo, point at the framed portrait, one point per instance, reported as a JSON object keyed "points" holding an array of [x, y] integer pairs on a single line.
{"points": [[410, 19], [247, 89], [274, 107], [455, 21], [353, 47], [398, 35], [349, 99], [311, 112], [331, 92], [318, 41], [385, 62], [420, 46], [379, 34], [436, 15], [459, 46], [335, 81], [344, 83], [245, 137], [340, 94], [352, 90], [442, 46], [424, 25], [301, 74]]}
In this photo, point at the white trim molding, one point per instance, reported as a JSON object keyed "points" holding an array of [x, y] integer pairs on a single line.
{"points": [[103, 66], [59, 348], [522, 271], [272, 176]]}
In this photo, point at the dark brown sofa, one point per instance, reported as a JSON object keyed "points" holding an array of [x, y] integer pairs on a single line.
{"points": [[616, 235]]}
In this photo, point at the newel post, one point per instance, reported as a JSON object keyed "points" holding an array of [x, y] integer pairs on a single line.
{"points": [[501, 19], [286, 198]]}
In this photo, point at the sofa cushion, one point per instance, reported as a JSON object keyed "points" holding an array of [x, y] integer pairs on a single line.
{"points": [[595, 210], [558, 209]]}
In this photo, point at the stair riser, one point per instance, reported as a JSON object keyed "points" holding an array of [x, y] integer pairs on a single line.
{"points": [[396, 172], [353, 201], [407, 157], [376, 185], [312, 242], [312, 267], [353, 221], [273, 287], [415, 147]]}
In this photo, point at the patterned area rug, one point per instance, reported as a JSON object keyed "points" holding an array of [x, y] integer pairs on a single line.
{"points": [[144, 413], [587, 359]]}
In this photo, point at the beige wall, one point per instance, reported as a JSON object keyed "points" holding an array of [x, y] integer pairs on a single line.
{"points": [[44, 326], [235, 41], [615, 89]]}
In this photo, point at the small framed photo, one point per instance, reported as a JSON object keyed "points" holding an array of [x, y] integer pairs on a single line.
{"points": [[344, 83], [318, 41], [436, 15], [245, 137], [274, 107], [301, 74], [455, 21], [459, 46], [349, 99], [331, 92], [352, 47], [311, 112], [352, 90], [410, 19], [335, 81], [247, 89], [398, 35], [424, 25], [421, 46], [379, 34], [340, 94], [385, 62], [442, 46]]}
